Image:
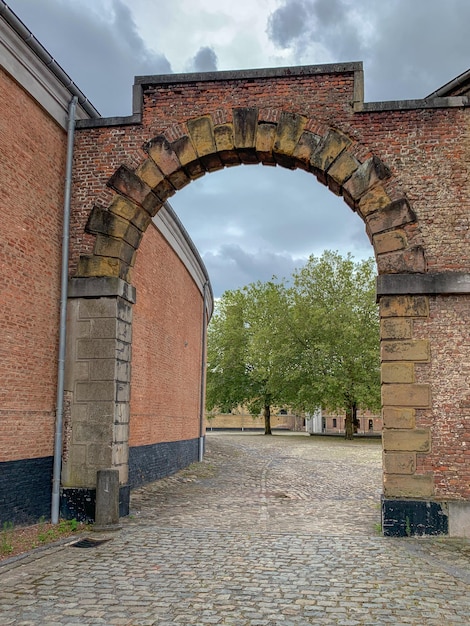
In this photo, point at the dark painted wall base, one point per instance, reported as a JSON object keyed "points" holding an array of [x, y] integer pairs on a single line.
{"points": [[26, 485], [406, 518], [149, 463], [146, 464], [79, 504], [25, 490]]}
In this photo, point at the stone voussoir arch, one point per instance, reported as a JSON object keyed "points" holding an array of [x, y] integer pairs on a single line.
{"points": [[280, 138]]}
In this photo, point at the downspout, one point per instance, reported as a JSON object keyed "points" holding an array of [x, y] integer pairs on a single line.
{"points": [[203, 372], [63, 316]]}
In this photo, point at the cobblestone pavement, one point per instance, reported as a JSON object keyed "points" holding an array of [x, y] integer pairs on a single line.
{"points": [[267, 531]]}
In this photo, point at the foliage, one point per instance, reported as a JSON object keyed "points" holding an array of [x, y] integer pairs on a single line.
{"points": [[336, 325], [244, 356], [314, 342]]}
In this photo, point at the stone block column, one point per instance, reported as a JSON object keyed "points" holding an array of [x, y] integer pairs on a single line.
{"points": [[97, 391], [411, 505]]}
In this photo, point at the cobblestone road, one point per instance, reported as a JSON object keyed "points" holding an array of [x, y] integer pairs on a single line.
{"points": [[266, 531]]}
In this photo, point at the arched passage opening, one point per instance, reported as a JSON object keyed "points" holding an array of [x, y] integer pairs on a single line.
{"points": [[164, 154]]}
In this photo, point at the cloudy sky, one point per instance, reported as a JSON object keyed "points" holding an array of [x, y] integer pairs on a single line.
{"points": [[252, 222]]}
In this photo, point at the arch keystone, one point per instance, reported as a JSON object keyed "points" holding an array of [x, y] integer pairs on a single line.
{"points": [[245, 123]]}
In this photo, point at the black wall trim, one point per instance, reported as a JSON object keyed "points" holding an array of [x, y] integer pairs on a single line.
{"points": [[25, 490], [407, 518], [79, 503], [149, 463]]}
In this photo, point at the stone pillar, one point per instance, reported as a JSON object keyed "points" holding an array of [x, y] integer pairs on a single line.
{"points": [[97, 391], [411, 504]]}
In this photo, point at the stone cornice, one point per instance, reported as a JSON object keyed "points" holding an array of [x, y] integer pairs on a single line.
{"points": [[445, 283]]}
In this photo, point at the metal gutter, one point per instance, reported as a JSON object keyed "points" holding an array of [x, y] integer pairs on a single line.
{"points": [[57, 466]]}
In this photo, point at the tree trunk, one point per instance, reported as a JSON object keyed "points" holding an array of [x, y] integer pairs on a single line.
{"points": [[348, 423], [267, 419]]}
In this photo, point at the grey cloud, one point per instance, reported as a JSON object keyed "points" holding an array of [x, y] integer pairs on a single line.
{"points": [[409, 49], [101, 56], [205, 60], [288, 23], [232, 267]]}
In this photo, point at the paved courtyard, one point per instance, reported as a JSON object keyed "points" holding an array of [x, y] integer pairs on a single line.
{"points": [[267, 531]]}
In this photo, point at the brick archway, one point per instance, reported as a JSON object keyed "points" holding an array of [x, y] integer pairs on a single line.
{"points": [[312, 118], [285, 140]]}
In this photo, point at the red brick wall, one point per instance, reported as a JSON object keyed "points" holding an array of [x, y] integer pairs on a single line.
{"points": [[166, 346], [448, 326], [32, 165]]}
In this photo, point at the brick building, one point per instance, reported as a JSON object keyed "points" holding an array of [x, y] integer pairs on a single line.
{"points": [[162, 434]]}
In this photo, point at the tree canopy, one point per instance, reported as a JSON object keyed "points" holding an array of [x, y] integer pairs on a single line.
{"points": [[307, 343]]}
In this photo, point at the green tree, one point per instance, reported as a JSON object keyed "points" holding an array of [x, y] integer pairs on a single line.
{"points": [[335, 326], [245, 364]]}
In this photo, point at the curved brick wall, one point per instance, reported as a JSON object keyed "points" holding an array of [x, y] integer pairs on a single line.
{"points": [[32, 161]]}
